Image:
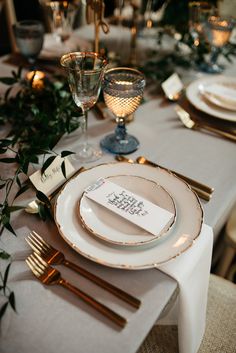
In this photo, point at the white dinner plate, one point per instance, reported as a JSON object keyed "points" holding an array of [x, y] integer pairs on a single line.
{"points": [[110, 227], [181, 236], [199, 101]]}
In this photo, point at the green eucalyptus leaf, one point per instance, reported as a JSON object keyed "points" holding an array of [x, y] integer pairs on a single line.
{"points": [[47, 163], [15, 208], [66, 153], [7, 93], [4, 255], [43, 211], [22, 190], [12, 301], [5, 215], [8, 226], [3, 309], [18, 181], [63, 169], [43, 198], [7, 160], [6, 273], [37, 120], [19, 71], [8, 80], [3, 150], [33, 159]]}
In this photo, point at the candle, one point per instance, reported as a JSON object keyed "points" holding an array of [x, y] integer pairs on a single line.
{"points": [[220, 31], [36, 78]]}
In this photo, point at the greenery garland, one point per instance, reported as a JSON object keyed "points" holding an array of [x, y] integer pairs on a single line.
{"points": [[38, 116]]}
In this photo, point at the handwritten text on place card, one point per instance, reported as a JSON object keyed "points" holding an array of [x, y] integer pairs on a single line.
{"points": [[132, 207], [53, 177]]}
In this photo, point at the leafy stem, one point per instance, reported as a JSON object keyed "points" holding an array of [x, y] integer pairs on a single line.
{"points": [[37, 119]]}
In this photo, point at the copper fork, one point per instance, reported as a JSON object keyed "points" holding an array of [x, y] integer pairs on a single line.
{"points": [[49, 275], [54, 257]]}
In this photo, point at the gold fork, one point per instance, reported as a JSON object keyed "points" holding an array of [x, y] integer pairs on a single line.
{"points": [[191, 124], [54, 257], [49, 275]]}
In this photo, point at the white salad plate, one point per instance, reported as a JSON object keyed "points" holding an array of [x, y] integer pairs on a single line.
{"points": [[181, 236], [110, 227], [210, 104]]}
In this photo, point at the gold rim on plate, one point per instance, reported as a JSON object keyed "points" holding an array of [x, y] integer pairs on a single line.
{"points": [[112, 234]]}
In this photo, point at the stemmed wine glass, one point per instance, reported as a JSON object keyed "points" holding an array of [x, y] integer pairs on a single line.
{"points": [[123, 90], [85, 72], [217, 30], [61, 15], [29, 36]]}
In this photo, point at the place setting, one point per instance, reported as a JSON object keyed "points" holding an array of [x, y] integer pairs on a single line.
{"points": [[208, 104], [110, 209]]}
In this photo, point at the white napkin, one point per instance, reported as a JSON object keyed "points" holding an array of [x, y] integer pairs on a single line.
{"points": [[220, 94], [54, 49], [191, 270]]}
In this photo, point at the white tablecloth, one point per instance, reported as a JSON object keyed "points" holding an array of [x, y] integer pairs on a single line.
{"points": [[66, 325]]}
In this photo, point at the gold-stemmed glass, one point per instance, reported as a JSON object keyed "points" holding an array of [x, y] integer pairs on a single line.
{"points": [[123, 91], [85, 72]]}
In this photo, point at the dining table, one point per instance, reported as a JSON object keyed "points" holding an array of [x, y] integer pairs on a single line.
{"points": [[49, 319]]}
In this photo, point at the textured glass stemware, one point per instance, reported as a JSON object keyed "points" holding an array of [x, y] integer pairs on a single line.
{"points": [[29, 36], [123, 91], [217, 30], [85, 71]]}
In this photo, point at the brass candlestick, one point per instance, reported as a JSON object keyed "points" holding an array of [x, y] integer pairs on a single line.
{"points": [[134, 32], [95, 14]]}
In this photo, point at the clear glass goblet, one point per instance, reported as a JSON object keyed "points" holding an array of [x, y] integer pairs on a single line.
{"points": [[123, 91], [85, 72], [217, 30], [61, 16], [29, 36]]}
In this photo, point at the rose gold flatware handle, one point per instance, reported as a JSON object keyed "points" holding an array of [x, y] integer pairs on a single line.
{"points": [[222, 133], [50, 276], [53, 256], [110, 314], [128, 298], [192, 124], [192, 182]]}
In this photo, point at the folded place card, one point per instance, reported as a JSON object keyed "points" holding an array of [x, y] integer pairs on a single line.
{"points": [[132, 207], [172, 86], [53, 177]]}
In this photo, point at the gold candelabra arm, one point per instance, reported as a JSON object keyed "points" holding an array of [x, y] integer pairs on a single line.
{"points": [[95, 13]]}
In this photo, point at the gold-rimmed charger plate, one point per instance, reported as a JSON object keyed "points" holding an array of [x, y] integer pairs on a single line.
{"points": [[106, 225], [196, 98], [184, 232]]}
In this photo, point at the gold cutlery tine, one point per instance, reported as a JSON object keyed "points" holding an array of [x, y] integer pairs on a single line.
{"points": [[195, 184], [54, 257], [48, 275], [191, 124]]}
